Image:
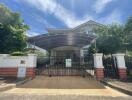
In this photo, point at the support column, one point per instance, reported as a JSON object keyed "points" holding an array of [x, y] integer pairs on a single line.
{"points": [[121, 65], [81, 57], [98, 64], [52, 57]]}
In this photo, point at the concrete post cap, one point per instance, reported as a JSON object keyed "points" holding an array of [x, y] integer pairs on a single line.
{"points": [[32, 54], [118, 54], [98, 54]]}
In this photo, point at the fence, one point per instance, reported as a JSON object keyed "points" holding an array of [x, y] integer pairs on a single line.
{"points": [[110, 67], [128, 61], [56, 66]]}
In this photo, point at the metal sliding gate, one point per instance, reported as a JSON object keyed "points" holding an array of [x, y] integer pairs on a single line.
{"points": [[110, 68], [128, 61], [63, 66]]}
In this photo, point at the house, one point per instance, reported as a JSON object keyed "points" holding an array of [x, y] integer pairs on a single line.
{"points": [[66, 49], [66, 43]]}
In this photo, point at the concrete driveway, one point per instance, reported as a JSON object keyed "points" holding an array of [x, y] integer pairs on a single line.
{"points": [[63, 82], [58, 97], [62, 88]]}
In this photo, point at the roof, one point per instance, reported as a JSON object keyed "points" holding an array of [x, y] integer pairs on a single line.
{"points": [[50, 41], [90, 22], [66, 30], [54, 30], [68, 37]]}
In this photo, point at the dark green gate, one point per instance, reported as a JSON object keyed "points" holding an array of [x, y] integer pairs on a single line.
{"points": [[56, 66]]}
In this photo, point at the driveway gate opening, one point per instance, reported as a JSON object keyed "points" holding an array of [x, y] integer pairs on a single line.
{"points": [[110, 67], [65, 66]]}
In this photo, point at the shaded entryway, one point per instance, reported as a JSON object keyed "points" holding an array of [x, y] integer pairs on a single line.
{"points": [[63, 82]]}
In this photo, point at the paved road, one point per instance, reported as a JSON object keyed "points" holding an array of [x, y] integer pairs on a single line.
{"points": [[57, 97]]}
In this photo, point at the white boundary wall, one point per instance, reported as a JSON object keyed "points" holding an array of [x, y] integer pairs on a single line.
{"points": [[19, 66], [17, 61]]}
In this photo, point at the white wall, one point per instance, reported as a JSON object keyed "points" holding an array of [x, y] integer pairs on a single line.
{"points": [[98, 63], [7, 61], [120, 60]]}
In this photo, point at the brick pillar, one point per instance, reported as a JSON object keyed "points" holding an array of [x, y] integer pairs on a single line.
{"points": [[121, 66], [99, 72], [30, 72], [31, 65], [122, 74], [98, 64]]}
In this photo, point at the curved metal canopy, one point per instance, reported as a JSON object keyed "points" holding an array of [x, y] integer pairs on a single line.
{"points": [[50, 41]]}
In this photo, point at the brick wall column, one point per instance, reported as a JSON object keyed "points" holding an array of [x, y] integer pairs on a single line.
{"points": [[30, 71], [98, 64], [121, 65]]}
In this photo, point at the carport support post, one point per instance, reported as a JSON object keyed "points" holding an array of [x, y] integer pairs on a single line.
{"points": [[98, 64], [121, 65], [81, 57], [52, 57]]}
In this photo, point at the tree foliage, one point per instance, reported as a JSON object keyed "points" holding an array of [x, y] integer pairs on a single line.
{"points": [[128, 26], [128, 34], [113, 38], [109, 38], [12, 31]]}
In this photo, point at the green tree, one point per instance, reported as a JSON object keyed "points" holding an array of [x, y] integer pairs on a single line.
{"points": [[109, 38], [12, 31], [128, 26], [128, 34]]}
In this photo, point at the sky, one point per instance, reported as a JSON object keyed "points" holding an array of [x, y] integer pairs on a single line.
{"points": [[43, 14]]}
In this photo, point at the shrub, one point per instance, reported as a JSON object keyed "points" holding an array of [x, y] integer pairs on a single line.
{"points": [[17, 53]]}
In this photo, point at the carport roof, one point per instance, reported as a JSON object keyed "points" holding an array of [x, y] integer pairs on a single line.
{"points": [[50, 41]]}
